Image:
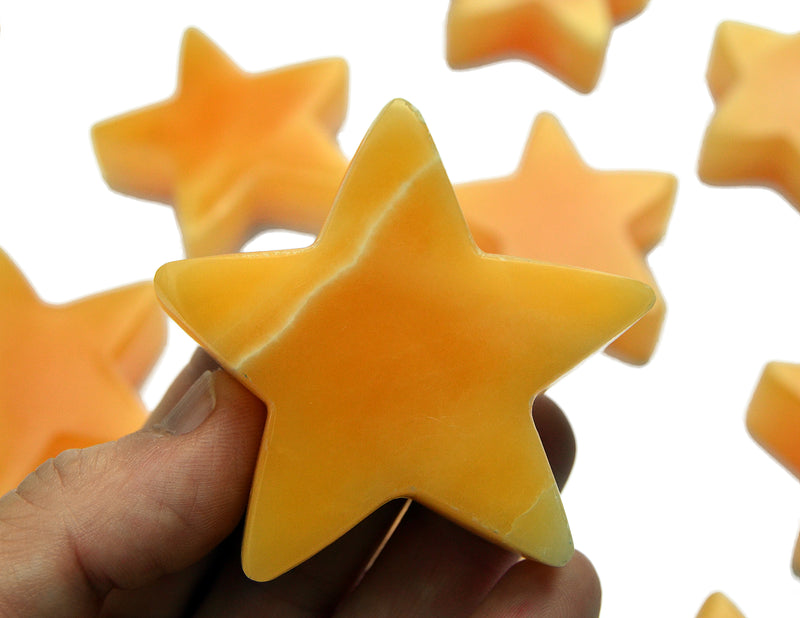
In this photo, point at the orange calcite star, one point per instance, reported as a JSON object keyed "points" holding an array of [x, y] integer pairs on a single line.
{"points": [[719, 606], [233, 151], [568, 39], [397, 359], [70, 372], [754, 135], [556, 209]]}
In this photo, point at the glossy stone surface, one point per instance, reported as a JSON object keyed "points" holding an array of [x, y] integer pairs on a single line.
{"points": [[557, 209], [234, 152], [567, 39], [397, 359], [754, 136], [71, 371]]}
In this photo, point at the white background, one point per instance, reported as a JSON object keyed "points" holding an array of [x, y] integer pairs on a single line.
{"points": [[670, 497]]}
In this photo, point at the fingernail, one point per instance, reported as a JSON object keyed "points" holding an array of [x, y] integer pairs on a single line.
{"points": [[193, 408]]}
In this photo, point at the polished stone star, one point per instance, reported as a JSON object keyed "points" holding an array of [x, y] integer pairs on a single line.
{"points": [[557, 209], [397, 359], [70, 372], [568, 39], [233, 151], [754, 136]]}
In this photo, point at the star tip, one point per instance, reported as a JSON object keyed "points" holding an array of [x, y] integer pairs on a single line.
{"points": [[164, 280], [195, 41], [548, 123], [648, 296], [399, 105], [547, 119], [194, 34], [400, 112], [256, 568]]}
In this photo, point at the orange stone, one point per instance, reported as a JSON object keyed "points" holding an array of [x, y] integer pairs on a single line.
{"points": [[396, 359], [754, 136], [719, 606], [234, 152], [568, 39], [72, 370], [556, 209]]}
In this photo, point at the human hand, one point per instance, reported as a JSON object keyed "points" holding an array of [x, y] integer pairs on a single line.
{"points": [[149, 526]]}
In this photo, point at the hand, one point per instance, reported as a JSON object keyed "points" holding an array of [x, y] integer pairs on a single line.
{"points": [[149, 526]]}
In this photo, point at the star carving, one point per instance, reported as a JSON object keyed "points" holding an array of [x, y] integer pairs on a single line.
{"points": [[72, 371], [397, 360], [753, 137], [567, 39], [233, 152], [557, 209]]}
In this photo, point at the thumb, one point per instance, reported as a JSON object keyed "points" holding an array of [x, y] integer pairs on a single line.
{"points": [[124, 513]]}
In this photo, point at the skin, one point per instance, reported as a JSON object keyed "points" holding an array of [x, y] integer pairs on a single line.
{"points": [[115, 530]]}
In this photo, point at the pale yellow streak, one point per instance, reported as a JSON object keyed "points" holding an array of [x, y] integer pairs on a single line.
{"points": [[394, 200]]}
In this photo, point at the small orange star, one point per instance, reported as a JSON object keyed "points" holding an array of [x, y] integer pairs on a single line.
{"points": [[70, 372], [397, 360], [568, 39], [556, 209], [231, 150], [754, 135]]}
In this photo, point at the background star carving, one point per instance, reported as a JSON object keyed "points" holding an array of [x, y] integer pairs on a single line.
{"points": [[567, 39], [233, 151], [754, 135], [75, 372], [557, 209]]}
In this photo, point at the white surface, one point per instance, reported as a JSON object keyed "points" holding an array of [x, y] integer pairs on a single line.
{"points": [[669, 497]]}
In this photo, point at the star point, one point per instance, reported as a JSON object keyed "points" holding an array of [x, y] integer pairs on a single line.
{"points": [[76, 367], [232, 151], [397, 360], [557, 209], [719, 606], [753, 137]]}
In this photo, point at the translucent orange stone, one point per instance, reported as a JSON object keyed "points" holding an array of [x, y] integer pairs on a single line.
{"points": [[568, 39], [754, 135], [557, 209], [234, 152], [71, 371], [397, 360], [719, 606]]}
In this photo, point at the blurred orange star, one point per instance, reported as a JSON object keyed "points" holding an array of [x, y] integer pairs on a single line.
{"points": [[568, 39], [70, 372], [233, 151], [754, 136], [556, 209]]}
